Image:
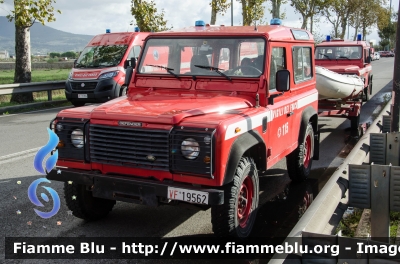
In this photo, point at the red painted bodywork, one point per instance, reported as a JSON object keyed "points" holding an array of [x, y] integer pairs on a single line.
{"points": [[164, 102], [347, 107]]}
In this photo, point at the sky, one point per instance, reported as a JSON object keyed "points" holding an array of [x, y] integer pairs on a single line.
{"points": [[93, 17]]}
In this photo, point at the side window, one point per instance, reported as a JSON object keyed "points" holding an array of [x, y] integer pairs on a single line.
{"points": [[302, 64], [278, 62]]}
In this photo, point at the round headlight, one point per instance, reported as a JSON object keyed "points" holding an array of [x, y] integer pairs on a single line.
{"points": [[190, 148], [77, 138]]}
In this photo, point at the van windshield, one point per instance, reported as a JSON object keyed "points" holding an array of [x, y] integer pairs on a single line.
{"points": [[101, 56], [338, 53], [225, 57]]}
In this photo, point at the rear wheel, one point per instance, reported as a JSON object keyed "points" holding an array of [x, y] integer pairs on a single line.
{"points": [[82, 203], [300, 160], [237, 215]]}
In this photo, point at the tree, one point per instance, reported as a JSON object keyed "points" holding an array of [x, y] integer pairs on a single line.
{"points": [[54, 54], [252, 10], [24, 15], [146, 16], [218, 6], [276, 8], [369, 15], [338, 14], [69, 54], [308, 9]]}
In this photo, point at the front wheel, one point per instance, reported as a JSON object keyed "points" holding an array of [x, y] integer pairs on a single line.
{"points": [[236, 217], [82, 203], [300, 160]]}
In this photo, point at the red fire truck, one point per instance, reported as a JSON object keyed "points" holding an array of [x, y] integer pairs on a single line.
{"points": [[347, 58], [196, 133], [99, 73]]}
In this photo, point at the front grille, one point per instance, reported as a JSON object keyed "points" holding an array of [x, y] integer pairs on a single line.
{"points": [[129, 147], [77, 86]]}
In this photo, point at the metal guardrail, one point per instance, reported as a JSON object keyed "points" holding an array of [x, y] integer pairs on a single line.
{"points": [[32, 87]]}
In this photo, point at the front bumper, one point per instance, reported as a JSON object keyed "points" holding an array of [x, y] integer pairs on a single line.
{"points": [[98, 91], [128, 189]]}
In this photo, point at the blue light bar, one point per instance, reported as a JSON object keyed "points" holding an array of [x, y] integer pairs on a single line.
{"points": [[359, 37], [137, 29], [108, 30], [328, 38], [275, 21], [200, 23]]}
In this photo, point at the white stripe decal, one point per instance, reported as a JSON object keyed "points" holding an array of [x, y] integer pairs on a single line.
{"points": [[246, 124], [307, 100], [256, 121]]}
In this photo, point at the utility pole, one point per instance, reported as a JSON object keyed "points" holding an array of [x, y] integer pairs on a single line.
{"points": [[394, 124], [232, 11]]}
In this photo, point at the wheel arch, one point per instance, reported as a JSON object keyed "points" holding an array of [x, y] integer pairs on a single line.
{"points": [[309, 115], [252, 144]]}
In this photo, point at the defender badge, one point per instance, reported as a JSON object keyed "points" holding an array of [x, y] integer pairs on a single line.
{"points": [[127, 123]]}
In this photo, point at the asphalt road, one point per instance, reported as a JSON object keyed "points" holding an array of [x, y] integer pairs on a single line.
{"points": [[281, 204]]}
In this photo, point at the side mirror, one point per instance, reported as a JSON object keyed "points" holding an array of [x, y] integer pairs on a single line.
{"points": [[283, 80], [75, 62], [133, 62], [128, 75], [368, 59]]}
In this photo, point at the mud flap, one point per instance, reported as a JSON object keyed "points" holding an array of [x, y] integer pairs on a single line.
{"points": [[316, 145]]}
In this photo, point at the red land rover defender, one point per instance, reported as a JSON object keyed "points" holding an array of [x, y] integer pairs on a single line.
{"points": [[198, 132], [99, 73], [350, 58]]}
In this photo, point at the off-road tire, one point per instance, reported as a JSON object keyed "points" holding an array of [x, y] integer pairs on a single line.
{"points": [[77, 104], [366, 94], [83, 205], [229, 219], [300, 160]]}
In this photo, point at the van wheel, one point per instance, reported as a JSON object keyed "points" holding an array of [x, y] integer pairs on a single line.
{"points": [[77, 104], [236, 217], [83, 205], [122, 91], [300, 160]]}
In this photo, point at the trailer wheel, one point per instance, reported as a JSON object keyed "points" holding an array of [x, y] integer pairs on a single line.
{"points": [[354, 123], [237, 215], [83, 205], [300, 160]]}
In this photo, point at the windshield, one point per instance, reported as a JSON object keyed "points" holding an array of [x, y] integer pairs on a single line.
{"points": [[224, 57], [338, 53], [101, 56]]}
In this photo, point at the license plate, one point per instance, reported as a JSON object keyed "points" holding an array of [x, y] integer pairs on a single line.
{"points": [[82, 95], [189, 196]]}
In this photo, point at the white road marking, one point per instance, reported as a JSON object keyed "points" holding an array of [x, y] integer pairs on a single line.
{"points": [[18, 155]]}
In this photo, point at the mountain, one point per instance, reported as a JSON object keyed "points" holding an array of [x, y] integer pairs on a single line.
{"points": [[44, 39]]}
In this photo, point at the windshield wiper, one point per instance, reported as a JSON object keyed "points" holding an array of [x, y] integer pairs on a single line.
{"points": [[169, 70], [217, 70], [325, 55], [344, 57]]}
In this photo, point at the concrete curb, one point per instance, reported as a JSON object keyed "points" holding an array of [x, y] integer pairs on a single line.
{"points": [[26, 106], [323, 207]]}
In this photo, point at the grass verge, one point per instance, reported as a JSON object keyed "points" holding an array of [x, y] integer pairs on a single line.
{"points": [[39, 75]]}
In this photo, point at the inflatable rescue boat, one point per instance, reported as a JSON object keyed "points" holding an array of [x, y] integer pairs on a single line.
{"points": [[332, 85]]}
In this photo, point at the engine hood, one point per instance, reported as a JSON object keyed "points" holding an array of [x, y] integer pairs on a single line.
{"points": [[168, 109]]}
